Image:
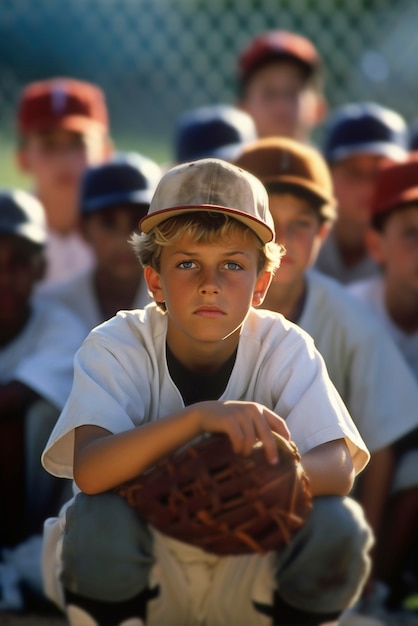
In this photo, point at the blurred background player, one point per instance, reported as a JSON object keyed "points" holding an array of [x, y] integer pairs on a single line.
{"points": [[217, 130], [63, 127], [280, 83], [358, 138], [392, 295], [37, 346], [363, 362], [113, 198]]}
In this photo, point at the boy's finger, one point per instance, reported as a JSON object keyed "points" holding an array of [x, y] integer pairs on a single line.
{"points": [[278, 425]]}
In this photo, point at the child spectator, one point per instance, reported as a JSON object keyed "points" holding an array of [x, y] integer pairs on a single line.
{"points": [[37, 346], [280, 81], [63, 127], [358, 138], [363, 362], [202, 360], [113, 198], [218, 130], [392, 295]]}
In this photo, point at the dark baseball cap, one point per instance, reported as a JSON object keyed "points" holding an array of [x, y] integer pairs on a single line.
{"points": [[275, 45], [128, 178], [365, 128], [64, 103], [21, 214], [396, 186], [291, 164], [218, 130]]}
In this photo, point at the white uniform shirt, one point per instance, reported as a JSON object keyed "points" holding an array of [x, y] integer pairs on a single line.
{"points": [[371, 292], [41, 357], [78, 294], [330, 263], [363, 362], [121, 380]]}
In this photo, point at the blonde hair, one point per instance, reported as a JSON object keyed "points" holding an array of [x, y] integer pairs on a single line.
{"points": [[204, 227]]}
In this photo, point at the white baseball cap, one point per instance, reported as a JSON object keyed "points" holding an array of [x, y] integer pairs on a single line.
{"points": [[211, 185]]}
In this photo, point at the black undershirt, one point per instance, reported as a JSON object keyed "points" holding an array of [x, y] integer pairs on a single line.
{"points": [[195, 387]]}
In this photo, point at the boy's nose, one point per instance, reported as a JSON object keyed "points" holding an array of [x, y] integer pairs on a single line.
{"points": [[209, 283]]}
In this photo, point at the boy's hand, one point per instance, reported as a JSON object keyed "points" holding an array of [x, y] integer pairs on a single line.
{"points": [[245, 423]]}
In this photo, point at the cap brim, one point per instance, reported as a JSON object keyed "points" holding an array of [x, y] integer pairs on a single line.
{"points": [[102, 202], [29, 232], [398, 200], [378, 148], [315, 190], [228, 152], [75, 123], [263, 232]]}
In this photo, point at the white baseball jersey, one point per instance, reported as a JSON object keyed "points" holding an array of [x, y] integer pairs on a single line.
{"points": [[121, 380], [363, 362], [79, 295], [42, 355], [371, 292], [330, 263]]}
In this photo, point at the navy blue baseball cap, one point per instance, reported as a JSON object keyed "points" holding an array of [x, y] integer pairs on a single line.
{"points": [[128, 178], [365, 128], [21, 214], [212, 131]]}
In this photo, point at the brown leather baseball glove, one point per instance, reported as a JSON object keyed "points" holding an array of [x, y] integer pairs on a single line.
{"points": [[223, 502]]}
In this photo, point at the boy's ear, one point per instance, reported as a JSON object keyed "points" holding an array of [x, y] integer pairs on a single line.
{"points": [[321, 235], [261, 287], [153, 281], [321, 108], [373, 240]]}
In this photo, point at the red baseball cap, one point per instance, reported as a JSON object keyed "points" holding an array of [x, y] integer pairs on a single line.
{"points": [[396, 186], [278, 44], [62, 103]]}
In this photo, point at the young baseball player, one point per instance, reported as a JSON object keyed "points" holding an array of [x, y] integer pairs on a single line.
{"points": [[392, 295], [63, 127], [280, 82], [201, 360], [113, 198], [363, 362], [37, 346], [359, 137], [216, 130]]}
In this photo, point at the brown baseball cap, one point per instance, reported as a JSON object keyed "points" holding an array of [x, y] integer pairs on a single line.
{"points": [[277, 44], [211, 185], [396, 186], [290, 162], [62, 103]]}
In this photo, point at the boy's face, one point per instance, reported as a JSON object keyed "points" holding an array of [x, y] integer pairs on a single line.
{"points": [[354, 180], [108, 232], [281, 103], [299, 229], [21, 266], [396, 248], [208, 289], [56, 160]]}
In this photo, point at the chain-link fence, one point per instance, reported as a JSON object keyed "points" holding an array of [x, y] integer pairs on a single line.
{"points": [[155, 58]]}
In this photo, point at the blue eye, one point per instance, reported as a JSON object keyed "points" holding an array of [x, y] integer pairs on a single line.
{"points": [[230, 265], [186, 265]]}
